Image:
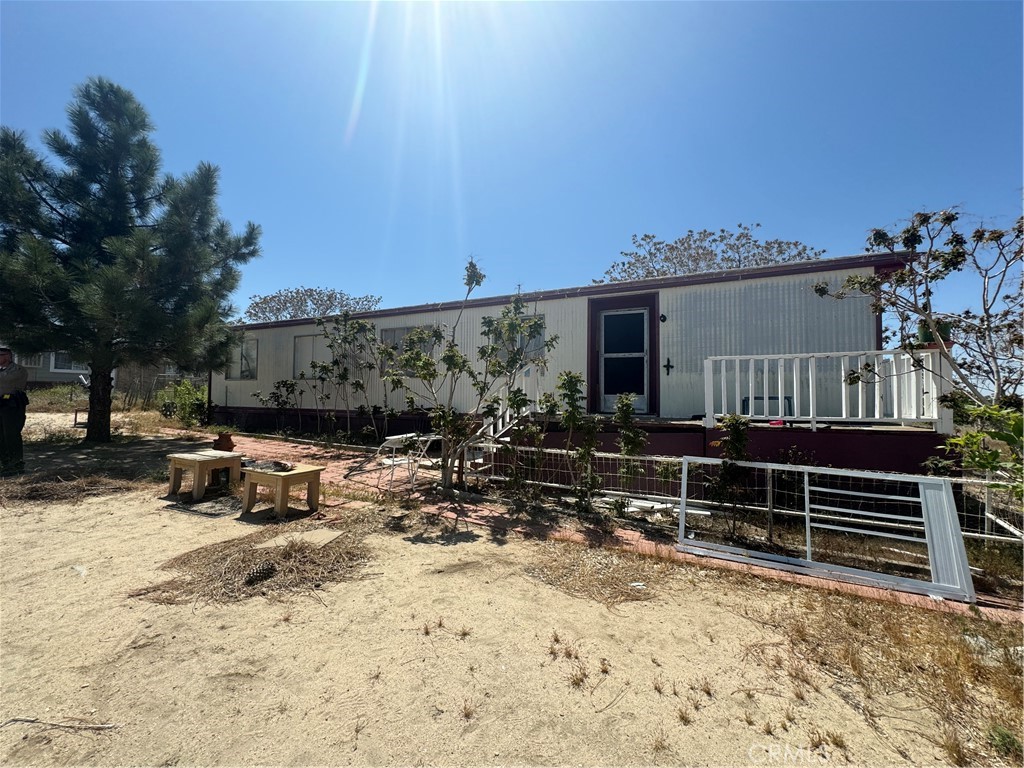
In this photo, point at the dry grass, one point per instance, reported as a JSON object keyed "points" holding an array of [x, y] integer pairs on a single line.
{"points": [[965, 670], [609, 576], [661, 742], [579, 674], [217, 573], [67, 488]]}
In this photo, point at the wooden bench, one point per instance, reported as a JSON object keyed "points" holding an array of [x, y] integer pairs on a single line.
{"points": [[201, 464], [282, 482]]}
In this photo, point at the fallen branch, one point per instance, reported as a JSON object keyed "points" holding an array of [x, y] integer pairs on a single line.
{"points": [[69, 726]]}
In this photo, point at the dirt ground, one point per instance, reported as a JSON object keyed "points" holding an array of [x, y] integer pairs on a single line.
{"points": [[461, 647]]}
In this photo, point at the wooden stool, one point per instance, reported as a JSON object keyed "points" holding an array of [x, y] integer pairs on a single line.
{"points": [[282, 483], [201, 464]]}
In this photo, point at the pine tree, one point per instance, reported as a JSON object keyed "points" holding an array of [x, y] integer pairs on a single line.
{"points": [[102, 258]]}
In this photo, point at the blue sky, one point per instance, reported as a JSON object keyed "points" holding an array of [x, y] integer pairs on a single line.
{"points": [[380, 145]]}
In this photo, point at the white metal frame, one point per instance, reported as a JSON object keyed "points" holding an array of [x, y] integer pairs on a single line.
{"points": [[641, 401], [947, 556]]}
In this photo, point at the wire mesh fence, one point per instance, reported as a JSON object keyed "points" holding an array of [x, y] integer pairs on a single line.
{"points": [[868, 521], [986, 509]]}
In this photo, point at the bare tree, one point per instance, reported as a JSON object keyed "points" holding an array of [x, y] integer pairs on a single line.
{"points": [[704, 251], [982, 343], [302, 302]]}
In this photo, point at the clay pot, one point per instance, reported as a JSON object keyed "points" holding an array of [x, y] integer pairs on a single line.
{"points": [[223, 442]]}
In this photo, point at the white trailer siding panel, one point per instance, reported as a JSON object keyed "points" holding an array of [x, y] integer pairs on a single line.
{"points": [[779, 315], [767, 315]]}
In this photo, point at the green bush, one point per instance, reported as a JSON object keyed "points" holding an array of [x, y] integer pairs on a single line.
{"points": [[185, 402]]}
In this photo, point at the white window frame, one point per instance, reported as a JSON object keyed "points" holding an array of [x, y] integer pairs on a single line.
{"points": [[305, 365], [397, 343], [235, 370], [74, 366], [533, 348]]}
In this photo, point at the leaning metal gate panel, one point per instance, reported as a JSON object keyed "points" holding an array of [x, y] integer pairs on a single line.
{"points": [[852, 503]]}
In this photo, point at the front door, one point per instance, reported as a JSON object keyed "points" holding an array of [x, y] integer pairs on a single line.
{"points": [[623, 357]]}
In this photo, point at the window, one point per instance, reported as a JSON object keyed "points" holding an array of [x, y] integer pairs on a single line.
{"points": [[29, 361], [532, 348], [395, 338], [302, 355], [170, 369], [243, 361], [62, 363]]}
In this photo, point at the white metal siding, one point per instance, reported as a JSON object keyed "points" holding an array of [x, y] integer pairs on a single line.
{"points": [[763, 316], [767, 316]]}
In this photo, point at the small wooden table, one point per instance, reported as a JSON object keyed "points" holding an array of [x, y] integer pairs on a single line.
{"points": [[282, 482], [201, 464]]}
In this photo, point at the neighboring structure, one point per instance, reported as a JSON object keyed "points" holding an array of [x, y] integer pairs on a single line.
{"points": [[137, 383], [45, 368], [663, 339]]}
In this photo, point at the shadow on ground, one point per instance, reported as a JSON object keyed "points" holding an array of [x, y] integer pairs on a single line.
{"points": [[140, 457]]}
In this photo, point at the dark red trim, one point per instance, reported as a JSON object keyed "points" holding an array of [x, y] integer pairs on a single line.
{"points": [[595, 307], [879, 261]]}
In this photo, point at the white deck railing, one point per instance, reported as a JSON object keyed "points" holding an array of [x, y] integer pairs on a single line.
{"points": [[891, 387]]}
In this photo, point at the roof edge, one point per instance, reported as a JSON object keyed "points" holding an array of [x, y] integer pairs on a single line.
{"points": [[873, 260]]}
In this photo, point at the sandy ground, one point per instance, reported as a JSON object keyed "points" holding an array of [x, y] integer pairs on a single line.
{"points": [[446, 650]]}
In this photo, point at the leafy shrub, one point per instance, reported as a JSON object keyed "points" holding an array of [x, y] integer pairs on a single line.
{"points": [[183, 401]]}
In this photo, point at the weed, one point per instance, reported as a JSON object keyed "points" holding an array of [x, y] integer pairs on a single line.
{"points": [[464, 633], [468, 709], [286, 617], [695, 702], [705, 686], [675, 689], [571, 651], [816, 740], [799, 673], [790, 717], [747, 717], [555, 639], [799, 693], [579, 675], [853, 659], [375, 675], [606, 667], [768, 729], [954, 747], [359, 726], [749, 694], [427, 628], [440, 623], [660, 742], [659, 685], [655, 662], [1006, 743], [836, 739], [684, 715], [553, 651]]}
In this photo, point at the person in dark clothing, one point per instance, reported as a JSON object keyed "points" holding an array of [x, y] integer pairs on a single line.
{"points": [[13, 400]]}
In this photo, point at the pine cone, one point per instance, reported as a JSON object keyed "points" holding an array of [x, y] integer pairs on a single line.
{"points": [[260, 572]]}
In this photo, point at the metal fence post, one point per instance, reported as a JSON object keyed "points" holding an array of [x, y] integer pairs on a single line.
{"points": [[682, 500], [807, 511], [988, 505]]}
